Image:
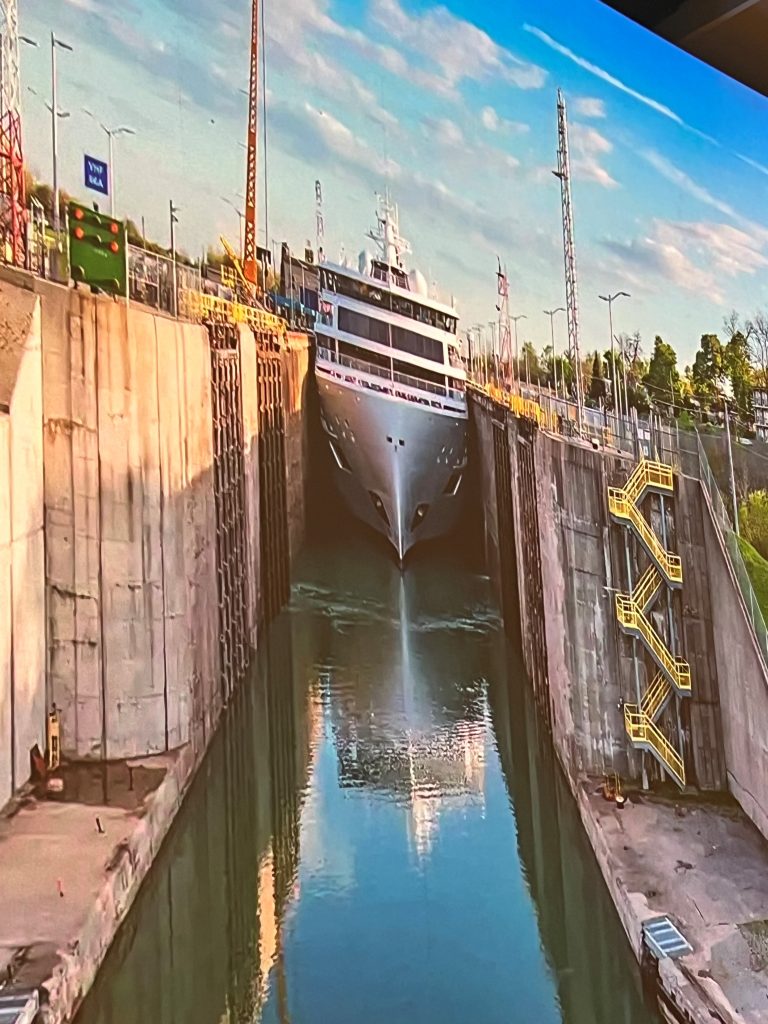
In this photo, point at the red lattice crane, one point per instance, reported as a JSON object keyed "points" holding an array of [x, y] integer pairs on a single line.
{"points": [[12, 197], [250, 258]]}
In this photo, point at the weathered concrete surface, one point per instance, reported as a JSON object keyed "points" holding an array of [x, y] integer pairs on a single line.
{"points": [[22, 593], [250, 396], [707, 868], [58, 920], [130, 527], [743, 687], [295, 383]]}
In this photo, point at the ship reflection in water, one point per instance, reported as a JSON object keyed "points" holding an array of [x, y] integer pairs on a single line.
{"points": [[378, 833]]}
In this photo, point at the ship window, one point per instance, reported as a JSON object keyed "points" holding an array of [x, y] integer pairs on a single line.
{"points": [[418, 515], [454, 482], [367, 292], [411, 370], [378, 504], [364, 354], [382, 333]]}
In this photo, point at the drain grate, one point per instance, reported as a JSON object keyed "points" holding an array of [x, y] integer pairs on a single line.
{"points": [[18, 1007], [665, 939]]}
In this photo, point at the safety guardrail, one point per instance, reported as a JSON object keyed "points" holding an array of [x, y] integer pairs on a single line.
{"points": [[655, 697], [632, 621], [669, 565], [644, 733], [647, 587]]}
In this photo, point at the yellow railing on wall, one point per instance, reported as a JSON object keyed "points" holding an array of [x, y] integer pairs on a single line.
{"points": [[643, 733]]}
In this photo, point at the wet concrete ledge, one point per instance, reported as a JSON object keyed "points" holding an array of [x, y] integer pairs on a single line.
{"points": [[68, 887], [705, 866]]}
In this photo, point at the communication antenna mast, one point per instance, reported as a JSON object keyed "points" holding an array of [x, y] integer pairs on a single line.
{"points": [[505, 331], [319, 222], [563, 172], [12, 198], [250, 264]]}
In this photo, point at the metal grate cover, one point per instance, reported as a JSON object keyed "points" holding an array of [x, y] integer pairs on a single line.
{"points": [[665, 939], [18, 1007]]}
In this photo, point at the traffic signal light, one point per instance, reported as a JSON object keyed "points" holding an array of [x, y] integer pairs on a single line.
{"points": [[97, 249]]}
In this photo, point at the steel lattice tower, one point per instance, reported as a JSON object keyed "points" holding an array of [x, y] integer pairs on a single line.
{"points": [[249, 253], [12, 193], [563, 172]]}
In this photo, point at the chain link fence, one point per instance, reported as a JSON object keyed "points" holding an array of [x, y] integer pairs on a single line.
{"points": [[725, 528]]}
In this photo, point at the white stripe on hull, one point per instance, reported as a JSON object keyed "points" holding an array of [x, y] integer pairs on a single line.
{"points": [[403, 453]]}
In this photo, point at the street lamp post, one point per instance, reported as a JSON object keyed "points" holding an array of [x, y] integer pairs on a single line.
{"points": [[112, 134], [551, 314], [615, 387], [55, 129], [174, 221], [514, 319]]}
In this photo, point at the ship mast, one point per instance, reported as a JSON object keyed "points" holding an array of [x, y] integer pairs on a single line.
{"points": [[386, 234], [563, 172]]}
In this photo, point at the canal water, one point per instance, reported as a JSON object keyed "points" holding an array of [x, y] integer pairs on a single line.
{"points": [[378, 833]]}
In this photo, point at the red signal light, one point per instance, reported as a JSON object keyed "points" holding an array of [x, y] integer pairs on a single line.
{"points": [[114, 228], [79, 233], [78, 213], [114, 246]]}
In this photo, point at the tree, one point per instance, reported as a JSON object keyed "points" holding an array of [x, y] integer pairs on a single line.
{"points": [[597, 384], [708, 370], [530, 368], [738, 367], [757, 334], [662, 379]]}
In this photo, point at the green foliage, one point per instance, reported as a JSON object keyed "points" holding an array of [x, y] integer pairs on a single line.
{"points": [[753, 520], [685, 421], [662, 379], [757, 568], [708, 370], [597, 384], [738, 367]]}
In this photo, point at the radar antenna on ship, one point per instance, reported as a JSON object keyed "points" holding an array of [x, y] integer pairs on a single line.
{"points": [[386, 234]]}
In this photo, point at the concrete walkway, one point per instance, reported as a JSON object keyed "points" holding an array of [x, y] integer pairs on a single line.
{"points": [[707, 867], [70, 866]]}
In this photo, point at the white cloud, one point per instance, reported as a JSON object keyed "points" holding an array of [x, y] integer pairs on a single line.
{"points": [[587, 146], [696, 256], [588, 106], [605, 76], [444, 131], [679, 177], [494, 122], [459, 49]]}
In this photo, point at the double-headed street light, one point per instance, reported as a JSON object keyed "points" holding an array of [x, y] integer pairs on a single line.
{"points": [[551, 314], [615, 390], [112, 134]]}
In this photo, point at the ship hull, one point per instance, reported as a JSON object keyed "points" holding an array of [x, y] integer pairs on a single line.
{"points": [[399, 465]]}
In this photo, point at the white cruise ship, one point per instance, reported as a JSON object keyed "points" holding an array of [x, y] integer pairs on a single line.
{"points": [[392, 392]]}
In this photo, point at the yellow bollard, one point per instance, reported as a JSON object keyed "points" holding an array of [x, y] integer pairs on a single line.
{"points": [[53, 738]]}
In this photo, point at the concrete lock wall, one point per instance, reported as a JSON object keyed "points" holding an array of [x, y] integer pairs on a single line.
{"points": [[742, 683], [22, 594], [586, 670], [130, 527], [107, 522]]}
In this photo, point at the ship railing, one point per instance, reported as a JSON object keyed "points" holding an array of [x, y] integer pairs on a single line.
{"points": [[350, 362]]}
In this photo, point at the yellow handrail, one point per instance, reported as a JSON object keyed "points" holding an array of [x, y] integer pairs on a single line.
{"points": [[647, 588], [643, 732], [620, 507], [655, 696], [648, 473], [631, 619]]}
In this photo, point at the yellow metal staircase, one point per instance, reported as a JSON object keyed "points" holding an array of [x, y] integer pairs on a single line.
{"points": [[633, 622], [674, 674], [644, 734]]}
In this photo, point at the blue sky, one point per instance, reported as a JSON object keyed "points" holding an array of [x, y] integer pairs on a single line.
{"points": [[453, 106]]}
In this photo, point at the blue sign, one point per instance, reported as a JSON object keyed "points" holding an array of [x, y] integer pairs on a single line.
{"points": [[96, 175]]}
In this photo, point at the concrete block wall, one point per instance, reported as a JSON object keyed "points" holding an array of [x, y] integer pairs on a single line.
{"points": [[22, 592]]}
